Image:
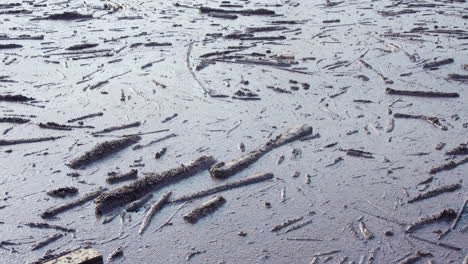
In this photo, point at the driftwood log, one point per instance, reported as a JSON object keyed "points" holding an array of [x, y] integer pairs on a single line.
{"points": [[226, 169], [144, 185], [103, 150], [53, 211], [204, 209]]}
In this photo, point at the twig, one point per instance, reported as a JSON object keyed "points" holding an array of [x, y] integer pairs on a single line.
{"points": [[440, 244], [155, 207]]}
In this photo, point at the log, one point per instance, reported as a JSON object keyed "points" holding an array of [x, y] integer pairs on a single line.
{"points": [[438, 63], [139, 188], [9, 142], [435, 192], [446, 214], [204, 209], [422, 93], [53, 211], [103, 150], [448, 166], [226, 169]]}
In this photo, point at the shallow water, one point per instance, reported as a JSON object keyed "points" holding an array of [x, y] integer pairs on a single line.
{"points": [[205, 125]]}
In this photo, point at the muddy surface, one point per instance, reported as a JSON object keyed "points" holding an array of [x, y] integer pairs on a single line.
{"points": [[222, 83]]}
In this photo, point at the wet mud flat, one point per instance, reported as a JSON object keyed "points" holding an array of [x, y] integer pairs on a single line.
{"points": [[234, 131]]}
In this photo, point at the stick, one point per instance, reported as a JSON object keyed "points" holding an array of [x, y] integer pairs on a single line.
{"points": [[260, 11], [155, 141], [103, 150], [227, 186], [85, 117], [131, 192], [286, 224], [436, 192], [155, 207], [381, 217], [53, 211], [115, 128], [459, 214], [327, 253], [422, 93], [46, 242], [430, 119], [462, 149], [170, 218], [435, 64], [446, 214], [298, 226], [226, 169], [448, 166], [414, 259], [187, 63], [440, 244], [47, 226], [204, 209], [9, 142]]}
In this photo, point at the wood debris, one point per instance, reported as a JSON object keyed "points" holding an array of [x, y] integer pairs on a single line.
{"points": [[63, 192], [224, 187], [366, 233], [136, 205], [102, 150], [9, 142], [53, 211], [49, 226], [422, 93], [46, 242], [448, 166], [445, 215], [286, 224], [149, 183], [116, 128], [435, 192], [154, 208], [120, 177], [204, 209], [227, 169]]}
